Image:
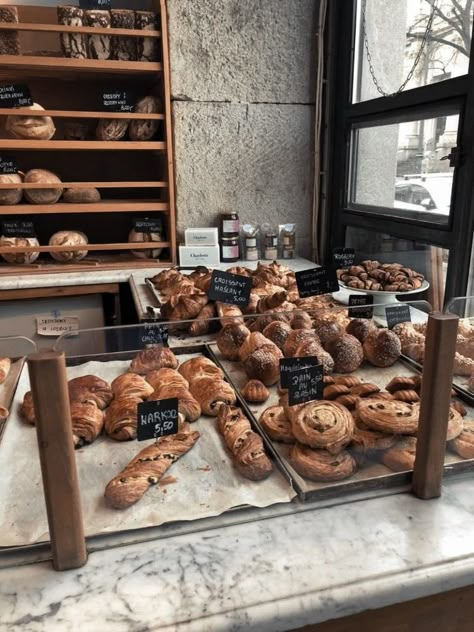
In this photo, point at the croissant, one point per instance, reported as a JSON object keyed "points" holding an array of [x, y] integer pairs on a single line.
{"points": [[200, 367], [184, 306], [211, 393], [202, 325], [131, 385], [230, 339], [271, 302], [229, 314], [147, 468], [90, 388], [203, 281], [187, 404], [165, 377], [5, 364], [121, 418], [181, 286], [165, 278], [153, 358], [87, 423]]}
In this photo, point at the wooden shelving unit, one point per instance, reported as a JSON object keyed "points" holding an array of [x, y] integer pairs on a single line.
{"points": [[135, 178]]}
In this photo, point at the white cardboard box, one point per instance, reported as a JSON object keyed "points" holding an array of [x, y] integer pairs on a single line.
{"points": [[199, 255], [201, 237]]}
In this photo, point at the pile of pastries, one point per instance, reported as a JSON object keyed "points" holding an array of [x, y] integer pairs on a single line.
{"points": [[5, 365], [380, 277]]}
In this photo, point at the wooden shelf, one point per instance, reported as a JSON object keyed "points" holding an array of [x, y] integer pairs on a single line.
{"points": [[103, 262], [81, 145], [54, 65], [148, 245], [104, 206], [78, 114], [130, 184], [91, 30]]}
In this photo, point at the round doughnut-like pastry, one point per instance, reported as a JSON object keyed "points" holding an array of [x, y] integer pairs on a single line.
{"points": [[255, 392], [382, 348], [264, 364], [389, 416], [360, 328], [320, 465], [90, 388], [324, 425], [455, 422], [401, 457], [463, 444], [131, 385], [347, 353], [277, 332], [295, 338], [230, 339], [275, 423], [328, 329]]}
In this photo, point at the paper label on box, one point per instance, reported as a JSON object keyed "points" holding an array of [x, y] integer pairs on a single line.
{"points": [[48, 326]]}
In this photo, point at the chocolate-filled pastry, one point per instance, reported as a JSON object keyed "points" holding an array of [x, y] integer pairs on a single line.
{"points": [[152, 359], [264, 364], [211, 393], [382, 348], [389, 416], [27, 410], [327, 330], [166, 377], [463, 444], [360, 328], [90, 388], [199, 367], [121, 418], [324, 425], [295, 338], [147, 468], [347, 353], [275, 423], [230, 339], [278, 333], [320, 465], [131, 385], [5, 365], [255, 392], [187, 404], [401, 457], [87, 423]]}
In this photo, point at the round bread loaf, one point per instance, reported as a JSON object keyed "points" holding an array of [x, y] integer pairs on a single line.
{"points": [[68, 238], [81, 196], [30, 127], [360, 328], [346, 352], [147, 128], [43, 196], [111, 129], [382, 347], [134, 236], [17, 242], [10, 196]]}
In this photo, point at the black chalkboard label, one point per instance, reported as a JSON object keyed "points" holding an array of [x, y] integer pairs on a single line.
{"points": [[233, 289], [152, 333], [95, 4], [157, 419], [317, 281], [305, 385], [147, 225], [343, 257], [397, 314], [18, 228], [8, 165], [360, 306], [15, 95], [117, 100], [289, 365]]}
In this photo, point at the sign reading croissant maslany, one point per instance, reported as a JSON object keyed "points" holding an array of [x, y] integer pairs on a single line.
{"points": [[157, 418], [317, 281], [305, 385], [233, 289]]}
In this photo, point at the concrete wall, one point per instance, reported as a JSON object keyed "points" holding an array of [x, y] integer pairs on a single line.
{"points": [[242, 84]]}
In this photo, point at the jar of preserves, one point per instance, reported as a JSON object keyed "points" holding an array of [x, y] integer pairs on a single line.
{"points": [[229, 225], [230, 251]]}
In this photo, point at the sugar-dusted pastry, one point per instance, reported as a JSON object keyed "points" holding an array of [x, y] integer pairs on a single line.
{"points": [[324, 425], [5, 364], [301, 320], [231, 338], [264, 364], [87, 423], [463, 444], [199, 367], [90, 388], [188, 406], [131, 385], [463, 366], [166, 377], [320, 465], [121, 418], [147, 468], [255, 392], [389, 416], [347, 353], [27, 410], [276, 424], [153, 358], [277, 332], [408, 334], [312, 348], [382, 348], [255, 341], [360, 328], [401, 457], [211, 393], [295, 338], [326, 330]]}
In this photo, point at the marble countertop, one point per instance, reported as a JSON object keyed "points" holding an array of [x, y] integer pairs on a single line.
{"points": [[266, 576]]}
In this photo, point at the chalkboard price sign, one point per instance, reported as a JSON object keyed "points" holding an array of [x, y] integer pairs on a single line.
{"points": [[147, 225], [360, 306], [343, 257], [397, 314], [18, 228], [305, 385], [15, 96], [157, 419], [289, 365], [153, 333], [118, 101], [233, 289], [317, 281], [8, 165], [95, 4]]}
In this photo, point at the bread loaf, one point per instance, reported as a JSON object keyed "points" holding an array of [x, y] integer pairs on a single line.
{"points": [[72, 44], [19, 257], [81, 196], [30, 127], [146, 129], [9, 40], [99, 45], [145, 237], [111, 129], [10, 196], [43, 196], [147, 47], [68, 238]]}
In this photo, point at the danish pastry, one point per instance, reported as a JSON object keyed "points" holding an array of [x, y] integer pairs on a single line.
{"points": [[153, 358], [389, 416], [211, 393], [275, 423], [87, 423], [324, 425], [463, 444], [401, 457], [320, 465], [90, 388]]}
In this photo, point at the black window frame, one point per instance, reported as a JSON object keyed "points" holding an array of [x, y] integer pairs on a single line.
{"points": [[342, 114]]}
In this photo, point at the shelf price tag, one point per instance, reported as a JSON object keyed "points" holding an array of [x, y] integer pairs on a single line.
{"points": [[397, 314], [18, 228], [305, 385], [147, 225], [362, 306], [153, 333], [117, 100], [95, 4], [317, 281], [8, 165], [289, 365], [157, 419], [15, 95], [343, 257], [233, 289]]}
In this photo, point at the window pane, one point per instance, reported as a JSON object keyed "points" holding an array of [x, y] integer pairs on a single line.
{"points": [[394, 37], [432, 262], [400, 166]]}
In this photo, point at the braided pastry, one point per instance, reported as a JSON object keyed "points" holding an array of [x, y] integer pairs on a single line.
{"points": [[275, 423], [325, 425], [87, 423], [349, 401], [153, 358], [347, 380], [131, 385], [400, 383], [320, 465], [389, 416], [147, 468], [212, 393], [121, 418]]}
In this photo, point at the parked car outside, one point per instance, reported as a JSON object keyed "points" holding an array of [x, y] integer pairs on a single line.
{"points": [[426, 192]]}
